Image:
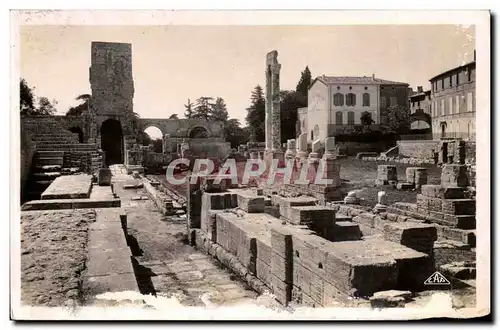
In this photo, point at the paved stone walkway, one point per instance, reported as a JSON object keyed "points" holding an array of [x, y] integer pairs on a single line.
{"points": [[165, 264]]}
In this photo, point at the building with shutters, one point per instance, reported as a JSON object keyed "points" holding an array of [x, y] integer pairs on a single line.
{"points": [[336, 104], [454, 102]]}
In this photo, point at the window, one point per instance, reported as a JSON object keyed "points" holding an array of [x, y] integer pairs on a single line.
{"points": [[366, 100], [457, 104], [469, 74], [350, 118], [457, 78], [450, 105], [350, 99], [393, 101], [382, 102], [338, 118], [450, 80], [469, 102], [442, 84], [442, 107], [418, 104], [338, 99]]}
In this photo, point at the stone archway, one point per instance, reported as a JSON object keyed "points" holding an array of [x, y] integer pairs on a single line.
{"points": [[198, 132], [112, 141], [155, 135], [420, 115]]}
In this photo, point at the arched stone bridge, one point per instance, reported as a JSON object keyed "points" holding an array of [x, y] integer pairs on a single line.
{"points": [[184, 128], [419, 114]]}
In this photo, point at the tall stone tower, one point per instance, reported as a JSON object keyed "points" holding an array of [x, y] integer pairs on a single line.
{"points": [[112, 86], [111, 80]]}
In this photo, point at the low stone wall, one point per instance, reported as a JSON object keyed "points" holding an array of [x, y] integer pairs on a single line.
{"points": [[298, 265], [28, 148], [163, 202], [209, 148], [421, 149], [353, 148]]}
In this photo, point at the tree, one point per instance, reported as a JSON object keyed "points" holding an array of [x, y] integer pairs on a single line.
{"points": [[256, 115], [157, 145], [398, 119], [219, 110], [291, 101], [234, 134], [366, 120], [27, 98], [203, 108], [173, 116], [82, 107], [45, 107], [189, 109], [303, 84], [143, 138]]}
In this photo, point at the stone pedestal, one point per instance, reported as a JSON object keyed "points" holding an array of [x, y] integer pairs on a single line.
{"points": [[454, 175], [290, 149], [386, 174], [351, 198], [416, 176], [104, 177]]}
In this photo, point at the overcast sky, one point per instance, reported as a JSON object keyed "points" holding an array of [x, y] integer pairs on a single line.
{"points": [[173, 63]]}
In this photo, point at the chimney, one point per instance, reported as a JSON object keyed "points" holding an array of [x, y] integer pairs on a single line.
{"points": [[474, 55], [373, 76], [420, 89]]}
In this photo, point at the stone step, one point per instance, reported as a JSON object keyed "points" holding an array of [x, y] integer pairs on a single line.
{"points": [[49, 161], [62, 204], [44, 176], [345, 231], [66, 147], [49, 154], [47, 168]]}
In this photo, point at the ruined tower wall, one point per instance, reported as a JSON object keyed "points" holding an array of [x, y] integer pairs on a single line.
{"points": [[111, 79]]}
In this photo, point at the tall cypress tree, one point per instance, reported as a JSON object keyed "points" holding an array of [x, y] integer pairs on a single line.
{"points": [[189, 109], [256, 115]]}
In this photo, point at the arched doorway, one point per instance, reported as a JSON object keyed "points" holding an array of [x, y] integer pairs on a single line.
{"points": [[198, 132], [112, 141], [155, 136], [78, 131]]}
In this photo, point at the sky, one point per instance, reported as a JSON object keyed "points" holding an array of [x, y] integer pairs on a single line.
{"points": [[173, 63]]}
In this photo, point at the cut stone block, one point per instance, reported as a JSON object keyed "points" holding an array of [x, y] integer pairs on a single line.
{"points": [[462, 270], [286, 204], [345, 231], [460, 221], [104, 177], [319, 216], [263, 272], [414, 235], [454, 175], [390, 299], [214, 201], [438, 191], [69, 187], [459, 206], [387, 173], [251, 203], [282, 290], [405, 186]]}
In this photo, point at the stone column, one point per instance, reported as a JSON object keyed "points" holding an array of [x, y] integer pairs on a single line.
{"points": [[382, 202], [269, 107], [276, 114], [290, 149], [167, 144]]}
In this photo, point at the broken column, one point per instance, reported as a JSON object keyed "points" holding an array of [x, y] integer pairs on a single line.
{"points": [[386, 174], [351, 198], [454, 175], [290, 149], [273, 119], [381, 202], [331, 168]]}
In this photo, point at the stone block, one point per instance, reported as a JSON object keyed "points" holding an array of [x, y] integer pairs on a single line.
{"points": [[317, 217], [104, 177], [345, 231], [264, 250], [316, 288], [246, 249], [310, 251], [251, 203], [282, 267], [365, 219], [405, 186], [282, 290], [281, 242], [301, 276], [417, 236], [460, 221], [438, 191], [436, 216], [386, 173], [286, 203], [459, 206], [263, 272], [390, 299], [454, 175]]}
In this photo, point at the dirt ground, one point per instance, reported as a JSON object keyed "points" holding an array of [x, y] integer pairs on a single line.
{"points": [[53, 255]]}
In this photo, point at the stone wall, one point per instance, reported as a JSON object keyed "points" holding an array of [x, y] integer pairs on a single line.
{"points": [[38, 124], [27, 152], [422, 149], [202, 148], [418, 149], [352, 148]]}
